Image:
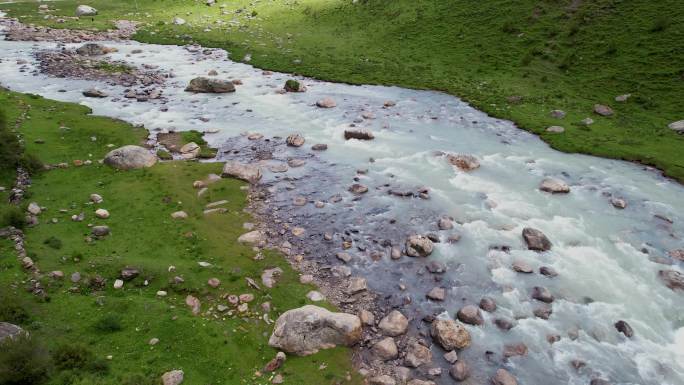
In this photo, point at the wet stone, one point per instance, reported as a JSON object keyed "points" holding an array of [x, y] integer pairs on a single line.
{"points": [[471, 315]]}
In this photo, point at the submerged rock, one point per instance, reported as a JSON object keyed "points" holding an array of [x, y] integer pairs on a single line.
{"points": [[536, 240], [358, 134], [464, 162], [130, 157], [207, 85], [92, 49], [308, 329], [624, 328], [326, 103], [94, 93], [503, 377], [672, 279]]}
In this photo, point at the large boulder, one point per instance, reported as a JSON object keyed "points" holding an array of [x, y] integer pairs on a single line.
{"points": [[84, 10], [211, 86], [8, 330], [535, 239], [418, 246], [247, 172], [449, 334], [130, 157], [308, 329]]}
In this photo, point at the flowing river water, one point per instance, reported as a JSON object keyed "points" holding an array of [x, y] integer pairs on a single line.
{"points": [[607, 259]]}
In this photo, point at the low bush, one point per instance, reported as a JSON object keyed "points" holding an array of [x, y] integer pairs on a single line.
{"points": [[109, 323], [23, 361]]}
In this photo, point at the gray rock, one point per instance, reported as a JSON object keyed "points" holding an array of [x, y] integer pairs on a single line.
{"points": [[618, 203], [326, 103], [418, 246], [548, 271], [449, 334], [211, 86], [358, 189], [174, 377], [677, 254], [437, 294], [672, 279], [382, 380], [558, 114], [445, 223], [319, 147], [603, 110], [522, 267], [357, 285], [394, 324], [91, 49], [677, 126], [451, 356], [253, 237], [554, 186], [503, 377], [129, 273], [9, 331], [471, 315], [247, 172], [599, 381], [308, 329], [84, 10], [417, 355], [100, 231], [295, 140], [94, 93], [555, 129], [130, 157], [386, 349], [542, 294], [622, 98], [459, 371], [488, 304], [624, 328], [536, 240]]}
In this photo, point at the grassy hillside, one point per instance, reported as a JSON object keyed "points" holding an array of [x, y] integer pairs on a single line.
{"points": [[553, 54], [88, 332]]}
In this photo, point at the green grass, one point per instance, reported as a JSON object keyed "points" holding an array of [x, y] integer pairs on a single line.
{"points": [[82, 324], [553, 54]]}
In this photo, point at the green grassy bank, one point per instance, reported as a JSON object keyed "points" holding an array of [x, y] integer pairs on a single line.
{"points": [[86, 333], [552, 54]]}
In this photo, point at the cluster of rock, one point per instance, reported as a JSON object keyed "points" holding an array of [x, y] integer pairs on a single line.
{"points": [[87, 62], [16, 31]]}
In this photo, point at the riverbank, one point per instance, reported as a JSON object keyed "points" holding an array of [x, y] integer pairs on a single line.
{"points": [[88, 328], [404, 216], [517, 61]]}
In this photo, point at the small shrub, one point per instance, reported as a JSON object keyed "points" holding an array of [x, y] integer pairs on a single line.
{"points": [[53, 242], [13, 310], [660, 23], [78, 357], [509, 27], [12, 216], [109, 323], [164, 155], [611, 49], [31, 163], [23, 361]]}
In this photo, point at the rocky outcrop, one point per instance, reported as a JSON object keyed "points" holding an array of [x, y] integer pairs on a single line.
{"points": [[130, 157], [449, 334], [211, 86], [308, 329], [247, 172]]}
